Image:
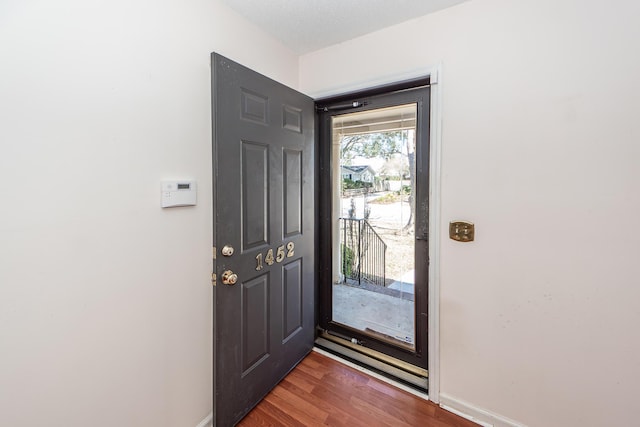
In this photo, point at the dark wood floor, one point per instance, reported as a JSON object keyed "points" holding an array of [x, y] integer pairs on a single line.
{"points": [[323, 392]]}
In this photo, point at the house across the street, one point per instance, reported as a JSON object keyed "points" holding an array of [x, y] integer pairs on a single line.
{"points": [[358, 173]]}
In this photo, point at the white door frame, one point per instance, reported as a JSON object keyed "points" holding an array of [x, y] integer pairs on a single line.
{"points": [[435, 230]]}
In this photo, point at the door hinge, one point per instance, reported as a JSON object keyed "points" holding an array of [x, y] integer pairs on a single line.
{"points": [[214, 279]]}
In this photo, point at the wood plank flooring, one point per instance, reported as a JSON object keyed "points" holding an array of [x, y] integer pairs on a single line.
{"points": [[323, 392]]}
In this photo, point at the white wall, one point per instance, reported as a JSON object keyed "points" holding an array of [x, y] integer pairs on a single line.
{"points": [[105, 299], [540, 316]]}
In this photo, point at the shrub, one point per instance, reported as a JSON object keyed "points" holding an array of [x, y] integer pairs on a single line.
{"points": [[347, 260], [387, 198], [348, 184], [406, 189]]}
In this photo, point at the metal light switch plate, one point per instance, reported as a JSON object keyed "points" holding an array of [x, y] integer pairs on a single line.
{"points": [[462, 231]]}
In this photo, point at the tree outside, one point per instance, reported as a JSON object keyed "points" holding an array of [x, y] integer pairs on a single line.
{"points": [[388, 203]]}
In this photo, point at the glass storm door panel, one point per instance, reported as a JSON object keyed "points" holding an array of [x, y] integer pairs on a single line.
{"points": [[373, 158]]}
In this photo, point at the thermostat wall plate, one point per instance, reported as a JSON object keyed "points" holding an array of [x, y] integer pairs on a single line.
{"points": [[178, 193]]}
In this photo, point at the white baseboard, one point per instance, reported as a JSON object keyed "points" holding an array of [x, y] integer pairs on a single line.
{"points": [[478, 415], [207, 422]]}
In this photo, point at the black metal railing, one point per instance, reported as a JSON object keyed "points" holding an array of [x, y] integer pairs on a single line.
{"points": [[363, 252]]}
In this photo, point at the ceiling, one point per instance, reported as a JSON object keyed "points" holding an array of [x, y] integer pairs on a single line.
{"points": [[308, 25]]}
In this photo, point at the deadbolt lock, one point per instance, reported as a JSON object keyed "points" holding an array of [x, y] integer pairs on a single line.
{"points": [[227, 250], [229, 278]]}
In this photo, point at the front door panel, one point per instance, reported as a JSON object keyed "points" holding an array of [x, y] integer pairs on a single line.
{"points": [[263, 192]]}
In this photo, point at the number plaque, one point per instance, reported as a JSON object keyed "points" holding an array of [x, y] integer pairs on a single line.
{"points": [[280, 255]]}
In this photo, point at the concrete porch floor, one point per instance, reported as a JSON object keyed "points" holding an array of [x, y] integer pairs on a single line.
{"points": [[384, 310]]}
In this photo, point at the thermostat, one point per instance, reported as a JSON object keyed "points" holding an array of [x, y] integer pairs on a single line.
{"points": [[178, 193]]}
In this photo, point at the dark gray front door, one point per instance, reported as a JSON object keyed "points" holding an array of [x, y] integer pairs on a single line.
{"points": [[263, 207]]}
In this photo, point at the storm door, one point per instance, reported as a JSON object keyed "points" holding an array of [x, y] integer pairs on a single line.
{"points": [[263, 235], [375, 210]]}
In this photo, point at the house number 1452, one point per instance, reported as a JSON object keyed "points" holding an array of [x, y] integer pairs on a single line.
{"points": [[269, 259]]}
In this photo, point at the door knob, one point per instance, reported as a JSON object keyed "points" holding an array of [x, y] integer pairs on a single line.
{"points": [[227, 250], [229, 278]]}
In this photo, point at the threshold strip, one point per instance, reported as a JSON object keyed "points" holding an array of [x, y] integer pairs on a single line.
{"points": [[355, 356], [422, 394]]}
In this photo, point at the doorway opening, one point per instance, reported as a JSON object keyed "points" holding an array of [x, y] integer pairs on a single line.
{"points": [[373, 206], [373, 240]]}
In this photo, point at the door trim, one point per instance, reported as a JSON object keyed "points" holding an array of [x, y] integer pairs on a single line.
{"points": [[434, 72], [435, 216]]}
